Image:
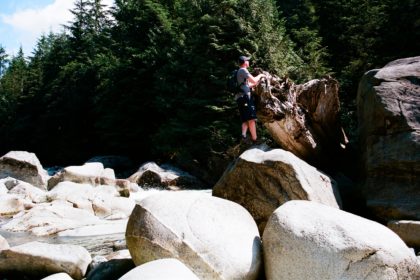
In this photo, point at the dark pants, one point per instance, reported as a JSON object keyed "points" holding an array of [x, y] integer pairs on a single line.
{"points": [[246, 107]]}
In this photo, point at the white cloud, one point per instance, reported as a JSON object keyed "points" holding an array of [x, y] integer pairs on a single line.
{"points": [[36, 21], [29, 24]]}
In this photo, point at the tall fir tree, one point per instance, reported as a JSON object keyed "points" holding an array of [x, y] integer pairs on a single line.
{"points": [[3, 60], [4, 101], [15, 75], [148, 80], [301, 21]]}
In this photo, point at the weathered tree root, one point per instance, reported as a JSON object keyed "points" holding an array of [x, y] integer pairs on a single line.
{"points": [[303, 119]]}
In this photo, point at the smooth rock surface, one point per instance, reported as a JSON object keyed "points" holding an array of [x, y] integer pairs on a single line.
{"points": [[92, 173], [104, 228], [409, 231], [28, 192], [3, 243], [388, 105], [152, 175], [307, 240], [50, 218], [102, 201], [261, 181], [11, 204], [58, 276], [215, 238], [3, 188], [24, 166], [160, 270], [42, 259]]}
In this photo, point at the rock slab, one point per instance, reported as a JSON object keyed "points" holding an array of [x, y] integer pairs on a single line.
{"points": [[92, 173], [166, 176], [42, 259], [24, 166]]}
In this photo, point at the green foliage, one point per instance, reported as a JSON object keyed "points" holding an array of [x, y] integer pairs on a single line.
{"points": [[301, 21], [147, 78], [349, 37], [3, 60]]}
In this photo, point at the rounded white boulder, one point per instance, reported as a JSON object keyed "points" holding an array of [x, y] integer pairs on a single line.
{"points": [[215, 238], [161, 269], [308, 240], [41, 259]]}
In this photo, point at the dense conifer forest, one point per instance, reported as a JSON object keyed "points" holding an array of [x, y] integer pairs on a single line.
{"points": [[146, 79]]}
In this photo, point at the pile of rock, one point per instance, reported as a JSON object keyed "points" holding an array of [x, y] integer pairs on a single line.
{"points": [[304, 233], [199, 236], [218, 239], [86, 200]]}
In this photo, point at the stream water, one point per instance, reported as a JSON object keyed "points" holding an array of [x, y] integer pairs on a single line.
{"points": [[97, 245]]}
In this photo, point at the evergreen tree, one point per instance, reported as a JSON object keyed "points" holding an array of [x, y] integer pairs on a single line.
{"points": [[99, 17], [3, 60], [4, 102], [302, 25], [363, 35], [15, 76], [399, 34], [213, 35], [79, 30], [270, 44], [148, 80], [13, 83]]}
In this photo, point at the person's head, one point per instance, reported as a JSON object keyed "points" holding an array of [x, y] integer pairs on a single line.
{"points": [[244, 60]]}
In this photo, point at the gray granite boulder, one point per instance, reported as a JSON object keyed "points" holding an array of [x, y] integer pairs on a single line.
{"points": [[409, 231], [215, 238], [102, 201], [388, 105], [308, 240], [161, 269], [24, 166], [166, 176], [3, 243], [42, 259], [92, 173], [11, 204], [50, 218], [261, 181], [58, 276], [29, 192]]}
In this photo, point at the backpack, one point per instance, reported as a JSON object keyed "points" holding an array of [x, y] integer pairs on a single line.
{"points": [[232, 83]]}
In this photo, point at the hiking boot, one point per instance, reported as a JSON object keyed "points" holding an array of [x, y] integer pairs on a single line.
{"points": [[257, 142], [245, 140]]}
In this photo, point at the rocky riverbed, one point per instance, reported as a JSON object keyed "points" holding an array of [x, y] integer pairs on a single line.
{"points": [[270, 216]]}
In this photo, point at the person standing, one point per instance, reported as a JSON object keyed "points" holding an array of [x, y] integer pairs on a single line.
{"points": [[245, 100]]}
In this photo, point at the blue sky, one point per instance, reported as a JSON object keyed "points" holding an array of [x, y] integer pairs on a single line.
{"points": [[22, 22]]}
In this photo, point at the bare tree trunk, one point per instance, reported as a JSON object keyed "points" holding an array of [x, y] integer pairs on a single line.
{"points": [[302, 119]]}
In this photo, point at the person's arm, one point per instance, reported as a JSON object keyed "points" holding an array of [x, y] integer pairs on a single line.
{"points": [[253, 81]]}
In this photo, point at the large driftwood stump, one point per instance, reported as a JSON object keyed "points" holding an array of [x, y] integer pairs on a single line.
{"points": [[303, 118]]}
